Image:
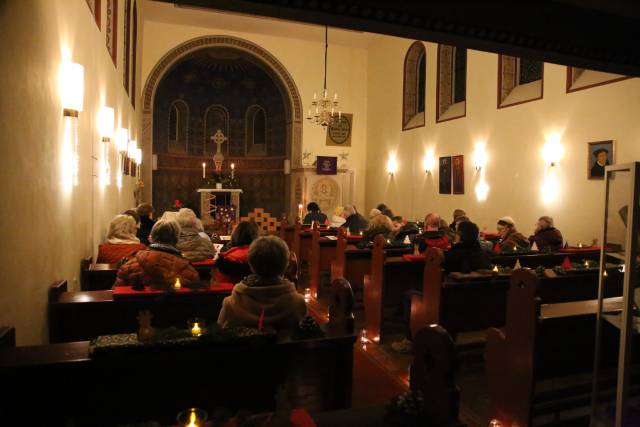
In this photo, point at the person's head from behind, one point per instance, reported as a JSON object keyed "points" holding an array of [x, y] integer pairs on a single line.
{"points": [[380, 223], [505, 225], [348, 211], [145, 210], [374, 213], [165, 232], [397, 222], [544, 222], [432, 222], [122, 227], [268, 257], [313, 207], [458, 213], [338, 211], [187, 218], [133, 214], [382, 207], [467, 232], [244, 234], [460, 219]]}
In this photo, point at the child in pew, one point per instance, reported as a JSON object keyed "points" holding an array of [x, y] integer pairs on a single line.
{"points": [[161, 264], [265, 296], [232, 264], [465, 256], [121, 241]]}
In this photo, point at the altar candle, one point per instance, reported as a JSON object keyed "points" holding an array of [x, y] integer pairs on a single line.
{"points": [[300, 210], [233, 167], [177, 284], [196, 331], [204, 166]]}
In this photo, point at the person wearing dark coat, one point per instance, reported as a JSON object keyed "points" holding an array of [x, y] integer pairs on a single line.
{"points": [[546, 236], [466, 255], [145, 212], [401, 230], [354, 222], [314, 214], [232, 264]]}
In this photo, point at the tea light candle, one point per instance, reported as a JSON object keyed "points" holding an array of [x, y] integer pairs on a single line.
{"points": [[204, 167], [233, 168], [196, 331], [177, 284], [360, 233], [515, 248], [495, 269], [579, 245], [586, 264]]}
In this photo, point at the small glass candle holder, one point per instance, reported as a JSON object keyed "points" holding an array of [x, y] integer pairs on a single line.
{"points": [[192, 417], [196, 326]]}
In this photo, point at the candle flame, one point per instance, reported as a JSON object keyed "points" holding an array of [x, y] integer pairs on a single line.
{"points": [[177, 284], [495, 269], [196, 331], [192, 418], [605, 273]]}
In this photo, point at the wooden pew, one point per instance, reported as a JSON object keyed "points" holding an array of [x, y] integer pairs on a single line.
{"points": [[157, 385], [322, 254], [291, 235], [75, 316], [7, 337], [543, 259], [542, 342]]}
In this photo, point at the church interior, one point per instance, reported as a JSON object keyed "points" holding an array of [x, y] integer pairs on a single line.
{"points": [[320, 213]]}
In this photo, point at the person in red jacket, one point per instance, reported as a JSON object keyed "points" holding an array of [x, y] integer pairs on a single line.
{"points": [[232, 264], [121, 241], [433, 236], [161, 264]]}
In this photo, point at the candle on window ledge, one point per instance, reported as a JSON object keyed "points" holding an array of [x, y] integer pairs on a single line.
{"points": [[233, 167], [177, 284], [204, 167]]}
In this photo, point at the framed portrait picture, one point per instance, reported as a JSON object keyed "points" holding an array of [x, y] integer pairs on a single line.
{"points": [[444, 175], [339, 132], [458, 174], [600, 154]]}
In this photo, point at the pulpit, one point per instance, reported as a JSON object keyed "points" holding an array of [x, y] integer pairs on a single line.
{"points": [[220, 205]]}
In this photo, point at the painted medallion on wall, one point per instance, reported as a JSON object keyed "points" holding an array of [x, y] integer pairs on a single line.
{"points": [[444, 175], [325, 192], [458, 174], [339, 132], [600, 154]]}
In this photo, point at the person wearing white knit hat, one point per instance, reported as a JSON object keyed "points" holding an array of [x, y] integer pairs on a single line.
{"points": [[510, 239]]}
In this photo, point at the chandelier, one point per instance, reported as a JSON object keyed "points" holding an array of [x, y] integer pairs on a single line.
{"points": [[325, 110]]}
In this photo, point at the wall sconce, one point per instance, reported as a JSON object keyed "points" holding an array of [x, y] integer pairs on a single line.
{"points": [[479, 157], [71, 88], [122, 142], [552, 151], [106, 120], [392, 166], [132, 147], [429, 162], [138, 159]]}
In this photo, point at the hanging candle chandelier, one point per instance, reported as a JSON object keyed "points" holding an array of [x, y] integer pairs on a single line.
{"points": [[325, 110]]}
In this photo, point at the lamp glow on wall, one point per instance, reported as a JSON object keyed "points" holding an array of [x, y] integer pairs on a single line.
{"points": [[138, 159], [122, 142], [552, 153], [429, 162], [480, 163], [106, 121], [71, 87], [392, 165]]}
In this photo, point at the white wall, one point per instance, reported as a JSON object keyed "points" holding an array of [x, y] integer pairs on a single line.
{"points": [[47, 228], [303, 58], [514, 137]]}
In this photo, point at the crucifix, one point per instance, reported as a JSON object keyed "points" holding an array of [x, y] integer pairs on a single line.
{"points": [[218, 138]]}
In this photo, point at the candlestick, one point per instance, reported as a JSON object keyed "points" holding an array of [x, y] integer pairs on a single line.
{"points": [[204, 167], [196, 331], [177, 284]]}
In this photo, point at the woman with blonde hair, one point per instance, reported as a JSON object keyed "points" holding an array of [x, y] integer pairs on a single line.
{"points": [[121, 240], [379, 224], [191, 243]]}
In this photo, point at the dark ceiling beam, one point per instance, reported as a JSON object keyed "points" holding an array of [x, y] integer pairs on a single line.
{"points": [[554, 31]]}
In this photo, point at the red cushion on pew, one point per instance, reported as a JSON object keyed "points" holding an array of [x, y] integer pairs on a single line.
{"points": [[412, 257], [573, 250], [125, 291], [205, 262], [354, 237]]}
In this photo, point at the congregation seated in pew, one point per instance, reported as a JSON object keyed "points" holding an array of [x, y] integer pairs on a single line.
{"points": [[384, 210], [145, 211], [402, 230], [314, 215], [159, 265], [434, 236], [265, 298], [511, 240], [546, 237], [121, 241], [379, 225], [354, 222], [337, 220], [232, 264], [194, 244]]}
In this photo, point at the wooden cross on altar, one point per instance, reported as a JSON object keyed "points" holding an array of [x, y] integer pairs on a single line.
{"points": [[218, 138]]}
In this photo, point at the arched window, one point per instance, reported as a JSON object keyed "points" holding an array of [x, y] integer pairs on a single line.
{"points": [[519, 80], [414, 86], [178, 128], [256, 131], [452, 82], [215, 117]]}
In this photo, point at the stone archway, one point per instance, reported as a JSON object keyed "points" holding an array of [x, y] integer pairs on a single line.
{"points": [[285, 82]]}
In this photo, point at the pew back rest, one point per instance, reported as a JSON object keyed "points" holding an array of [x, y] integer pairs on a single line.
{"points": [[7, 337]]}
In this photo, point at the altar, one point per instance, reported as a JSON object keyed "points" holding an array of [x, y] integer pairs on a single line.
{"points": [[220, 205]]}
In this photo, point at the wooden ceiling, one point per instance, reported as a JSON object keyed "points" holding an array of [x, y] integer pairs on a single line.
{"points": [[597, 34]]}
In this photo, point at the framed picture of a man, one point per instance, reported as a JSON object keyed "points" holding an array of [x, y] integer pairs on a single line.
{"points": [[600, 155], [458, 174], [445, 175]]}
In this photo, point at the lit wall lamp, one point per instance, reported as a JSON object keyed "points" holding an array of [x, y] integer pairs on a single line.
{"points": [[71, 81], [553, 151], [106, 120], [138, 159], [479, 157], [132, 148], [429, 162], [392, 165]]}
